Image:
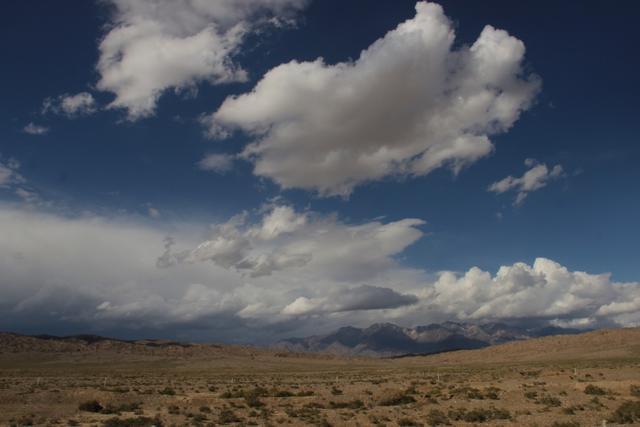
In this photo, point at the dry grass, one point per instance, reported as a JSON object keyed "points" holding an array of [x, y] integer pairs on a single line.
{"points": [[266, 388]]}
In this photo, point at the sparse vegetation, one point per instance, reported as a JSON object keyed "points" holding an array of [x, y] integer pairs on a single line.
{"points": [[397, 399], [627, 413], [133, 422], [594, 390], [436, 417], [91, 406], [565, 424], [315, 391]]}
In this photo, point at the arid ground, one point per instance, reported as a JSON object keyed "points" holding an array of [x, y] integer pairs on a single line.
{"points": [[583, 380]]}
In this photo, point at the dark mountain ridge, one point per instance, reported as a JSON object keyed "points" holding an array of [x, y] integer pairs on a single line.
{"points": [[388, 339]]}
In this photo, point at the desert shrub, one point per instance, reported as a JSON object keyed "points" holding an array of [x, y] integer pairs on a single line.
{"points": [[335, 391], [436, 417], [354, 404], [253, 401], [283, 393], [571, 410], [627, 413], [634, 390], [595, 390], [501, 414], [227, 416], [167, 391], [118, 389], [133, 422], [549, 401], [305, 393], [252, 397], [91, 406], [479, 415], [408, 422], [397, 399], [173, 409], [230, 395], [532, 395], [123, 407], [199, 418], [205, 409], [565, 424], [314, 405], [492, 393]]}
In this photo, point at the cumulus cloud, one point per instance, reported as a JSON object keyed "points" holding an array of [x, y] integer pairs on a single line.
{"points": [[284, 239], [534, 179], [218, 163], [411, 103], [154, 46], [354, 299], [35, 129], [103, 273], [100, 275], [544, 290], [72, 106]]}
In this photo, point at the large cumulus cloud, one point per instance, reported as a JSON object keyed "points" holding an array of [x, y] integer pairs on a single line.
{"points": [[156, 45], [118, 275], [410, 103]]}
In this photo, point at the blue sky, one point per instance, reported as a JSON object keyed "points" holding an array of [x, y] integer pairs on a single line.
{"points": [[125, 152]]}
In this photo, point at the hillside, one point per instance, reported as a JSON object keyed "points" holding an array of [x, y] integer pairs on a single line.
{"points": [[621, 343], [86, 346]]}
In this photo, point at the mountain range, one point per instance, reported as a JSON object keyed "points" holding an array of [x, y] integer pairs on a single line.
{"points": [[389, 340]]}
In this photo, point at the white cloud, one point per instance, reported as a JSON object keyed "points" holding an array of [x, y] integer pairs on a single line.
{"points": [[9, 174], [408, 105], [13, 182], [156, 45], [80, 104], [153, 212], [353, 299], [534, 179], [34, 129], [219, 163], [100, 274], [544, 290], [284, 239]]}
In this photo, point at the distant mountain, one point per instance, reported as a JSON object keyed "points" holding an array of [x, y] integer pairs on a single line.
{"points": [[387, 339]]}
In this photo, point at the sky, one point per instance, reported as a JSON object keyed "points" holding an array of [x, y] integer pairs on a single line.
{"points": [[249, 170]]}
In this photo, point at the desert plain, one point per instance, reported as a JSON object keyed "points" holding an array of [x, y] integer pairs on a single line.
{"points": [[592, 379]]}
